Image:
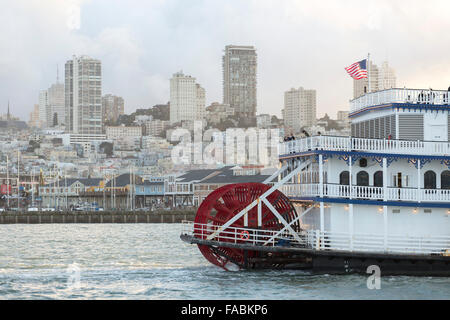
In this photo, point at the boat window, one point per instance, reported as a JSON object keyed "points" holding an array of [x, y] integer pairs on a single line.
{"points": [[344, 178], [378, 179], [445, 179], [430, 180], [362, 178]]}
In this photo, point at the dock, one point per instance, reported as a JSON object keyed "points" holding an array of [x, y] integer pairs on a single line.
{"points": [[162, 216]]}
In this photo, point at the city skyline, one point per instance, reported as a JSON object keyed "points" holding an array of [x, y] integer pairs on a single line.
{"points": [[128, 53]]}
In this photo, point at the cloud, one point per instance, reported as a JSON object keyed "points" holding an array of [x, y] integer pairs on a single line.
{"points": [[141, 44]]}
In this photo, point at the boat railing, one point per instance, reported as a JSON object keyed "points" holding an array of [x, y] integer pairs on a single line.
{"points": [[336, 143], [366, 192], [401, 244], [324, 240], [400, 95], [243, 235]]}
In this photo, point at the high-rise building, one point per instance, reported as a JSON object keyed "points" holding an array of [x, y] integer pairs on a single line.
{"points": [[34, 117], [342, 115], [299, 109], [387, 78], [83, 95], [187, 99], [43, 106], [381, 78], [56, 105], [239, 79], [343, 119], [52, 105], [113, 107]]}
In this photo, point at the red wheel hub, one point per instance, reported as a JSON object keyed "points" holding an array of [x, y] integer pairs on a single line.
{"points": [[225, 202]]}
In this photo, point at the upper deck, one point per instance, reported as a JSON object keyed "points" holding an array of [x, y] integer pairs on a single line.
{"points": [[429, 97], [349, 144]]}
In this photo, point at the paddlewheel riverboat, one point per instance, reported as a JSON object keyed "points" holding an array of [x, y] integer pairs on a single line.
{"points": [[341, 204]]}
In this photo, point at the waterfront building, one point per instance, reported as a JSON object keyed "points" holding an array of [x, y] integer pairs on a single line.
{"points": [[83, 95], [239, 64], [65, 193], [225, 176], [111, 193], [299, 109], [112, 107], [150, 193], [187, 99], [121, 189], [181, 189]]}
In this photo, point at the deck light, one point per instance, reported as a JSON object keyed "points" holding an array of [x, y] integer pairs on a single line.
{"points": [[415, 210]]}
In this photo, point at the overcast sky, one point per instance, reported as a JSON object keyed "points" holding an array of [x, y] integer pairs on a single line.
{"points": [[142, 43]]}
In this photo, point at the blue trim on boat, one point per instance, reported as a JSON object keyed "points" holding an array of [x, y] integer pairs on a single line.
{"points": [[375, 202], [432, 107]]}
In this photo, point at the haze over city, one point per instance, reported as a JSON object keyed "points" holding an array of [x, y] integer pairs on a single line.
{"points": [[141, 44]]}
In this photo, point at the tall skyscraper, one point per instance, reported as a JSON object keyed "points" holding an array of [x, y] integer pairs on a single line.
{"points": [[381, 78], [386, 77], [187, 99], [83, 98], [113, 107], [299, 109], [43, 106], [34, 117], [52, 105], [56, 105], [239, 79]]}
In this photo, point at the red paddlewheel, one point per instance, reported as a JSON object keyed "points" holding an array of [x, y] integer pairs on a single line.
{"points": [[225, 202]]}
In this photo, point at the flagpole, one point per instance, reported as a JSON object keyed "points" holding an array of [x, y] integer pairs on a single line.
{"points": [[368, 71]]}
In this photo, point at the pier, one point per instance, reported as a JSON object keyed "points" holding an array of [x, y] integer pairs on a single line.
{"points": [[173, 216]]}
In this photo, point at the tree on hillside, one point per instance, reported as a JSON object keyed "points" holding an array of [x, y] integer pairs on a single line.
{"points": [[107, 148]]}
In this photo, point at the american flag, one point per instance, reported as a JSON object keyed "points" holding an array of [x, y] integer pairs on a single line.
{"points": [[358, 70]]}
